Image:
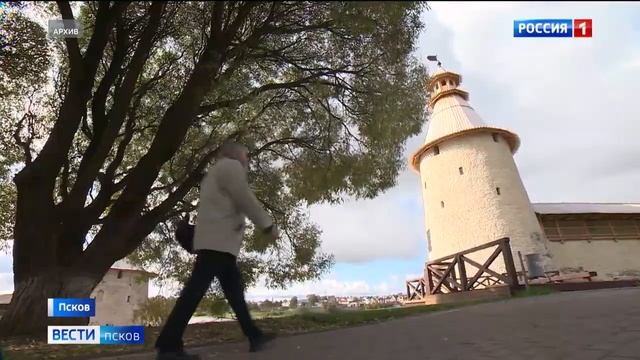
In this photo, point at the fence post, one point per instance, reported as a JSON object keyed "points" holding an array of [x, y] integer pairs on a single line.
{"points": [[428, 280], [512, 275], [463, 272], [524, 271]]}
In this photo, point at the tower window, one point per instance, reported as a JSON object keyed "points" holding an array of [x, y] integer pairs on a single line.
{"points": [[460, 170], [450, 82], [425, 184], [443, 83], [442, 204], [436, 150], [495, 137], [129, 298], [429, 239], [120, 274], [498, 190]]}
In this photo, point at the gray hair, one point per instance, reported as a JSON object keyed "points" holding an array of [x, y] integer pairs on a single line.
{"points": [[231, 149]]}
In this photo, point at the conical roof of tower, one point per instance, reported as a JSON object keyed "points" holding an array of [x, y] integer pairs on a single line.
{"points": [[452, 116]]}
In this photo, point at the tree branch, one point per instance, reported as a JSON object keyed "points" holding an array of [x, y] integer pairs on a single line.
{"points": [[73, 49], [25, 145], [234, 103], [327, 108], [124, 215], [243, 12], [100, 98], [100, 147], [64, 181], [46, 167]]}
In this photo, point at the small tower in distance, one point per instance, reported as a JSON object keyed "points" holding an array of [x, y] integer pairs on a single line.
{"points": [[471, 189]]}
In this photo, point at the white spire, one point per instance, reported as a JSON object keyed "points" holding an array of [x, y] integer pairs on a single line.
{"points": [[452, 116]]}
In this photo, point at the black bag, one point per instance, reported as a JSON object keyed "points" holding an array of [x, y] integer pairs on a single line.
{"points": [[184, 234]]}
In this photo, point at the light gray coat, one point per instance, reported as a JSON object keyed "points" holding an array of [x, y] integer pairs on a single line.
{"points": [[225, 200]]}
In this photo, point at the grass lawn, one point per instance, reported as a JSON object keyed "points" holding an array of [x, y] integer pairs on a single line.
{"points": [[214, 333], [534, 291]]}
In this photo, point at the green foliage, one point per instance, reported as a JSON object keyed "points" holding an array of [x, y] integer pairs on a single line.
{"points": [[355, 317], [313, 299], [154, 311], [267, 305], [534, 291], [375, 306], [324, 93], [24, 55], [331, 305], [7, 213], [24, 60], [303, 310], [253, 306], [214, 306], [293, 303]]}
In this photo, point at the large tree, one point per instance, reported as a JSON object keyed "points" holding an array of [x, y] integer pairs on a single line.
{"points": [[111, 132]]}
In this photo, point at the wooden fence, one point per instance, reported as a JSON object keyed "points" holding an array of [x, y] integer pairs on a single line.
{"points": [[449, 274]]}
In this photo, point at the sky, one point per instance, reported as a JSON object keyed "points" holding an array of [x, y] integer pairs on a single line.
{"points": [[571, 101]]}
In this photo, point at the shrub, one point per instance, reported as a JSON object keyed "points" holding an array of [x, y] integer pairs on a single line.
{"points": [[293, 303], [154, 311]]}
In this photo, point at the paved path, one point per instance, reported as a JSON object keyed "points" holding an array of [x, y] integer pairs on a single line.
{"points": [[589, 325]]}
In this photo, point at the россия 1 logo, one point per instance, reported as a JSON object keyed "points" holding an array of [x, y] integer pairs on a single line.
{"points": [[553, 28]]}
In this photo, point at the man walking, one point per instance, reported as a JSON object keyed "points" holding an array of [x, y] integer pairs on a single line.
{"points": [[225, 200]]}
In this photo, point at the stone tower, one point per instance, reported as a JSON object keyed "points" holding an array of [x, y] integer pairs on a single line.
{"points": [[471, 189]]}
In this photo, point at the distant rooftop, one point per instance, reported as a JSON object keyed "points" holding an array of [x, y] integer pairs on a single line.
{"points": [[586, 208], [125, 265]]}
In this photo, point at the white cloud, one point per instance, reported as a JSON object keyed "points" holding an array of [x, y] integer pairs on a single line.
{"points": [[633, 63], [332, 286], [366, 230], [570, 100]]}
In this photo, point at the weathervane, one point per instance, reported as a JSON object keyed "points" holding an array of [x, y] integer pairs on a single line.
{"points": [[434, 58]]}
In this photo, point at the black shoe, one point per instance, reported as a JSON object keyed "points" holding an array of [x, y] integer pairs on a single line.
{"points": [[257, 343], [180, 355]]}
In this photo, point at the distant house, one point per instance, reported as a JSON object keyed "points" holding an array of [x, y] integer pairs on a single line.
{"points": [[5, 299], [122, 290]]}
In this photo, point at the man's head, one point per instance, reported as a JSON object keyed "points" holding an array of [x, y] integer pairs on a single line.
{"points": [[233, 150]]}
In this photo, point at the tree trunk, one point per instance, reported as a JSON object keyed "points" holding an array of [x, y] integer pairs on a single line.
{"points": [[27, 313]]}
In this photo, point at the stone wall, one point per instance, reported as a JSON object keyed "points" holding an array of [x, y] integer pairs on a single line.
{"points": [[610, 259], [118, 295]]}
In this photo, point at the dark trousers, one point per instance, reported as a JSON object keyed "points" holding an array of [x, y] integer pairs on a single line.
{"points": [[209, 264]]}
